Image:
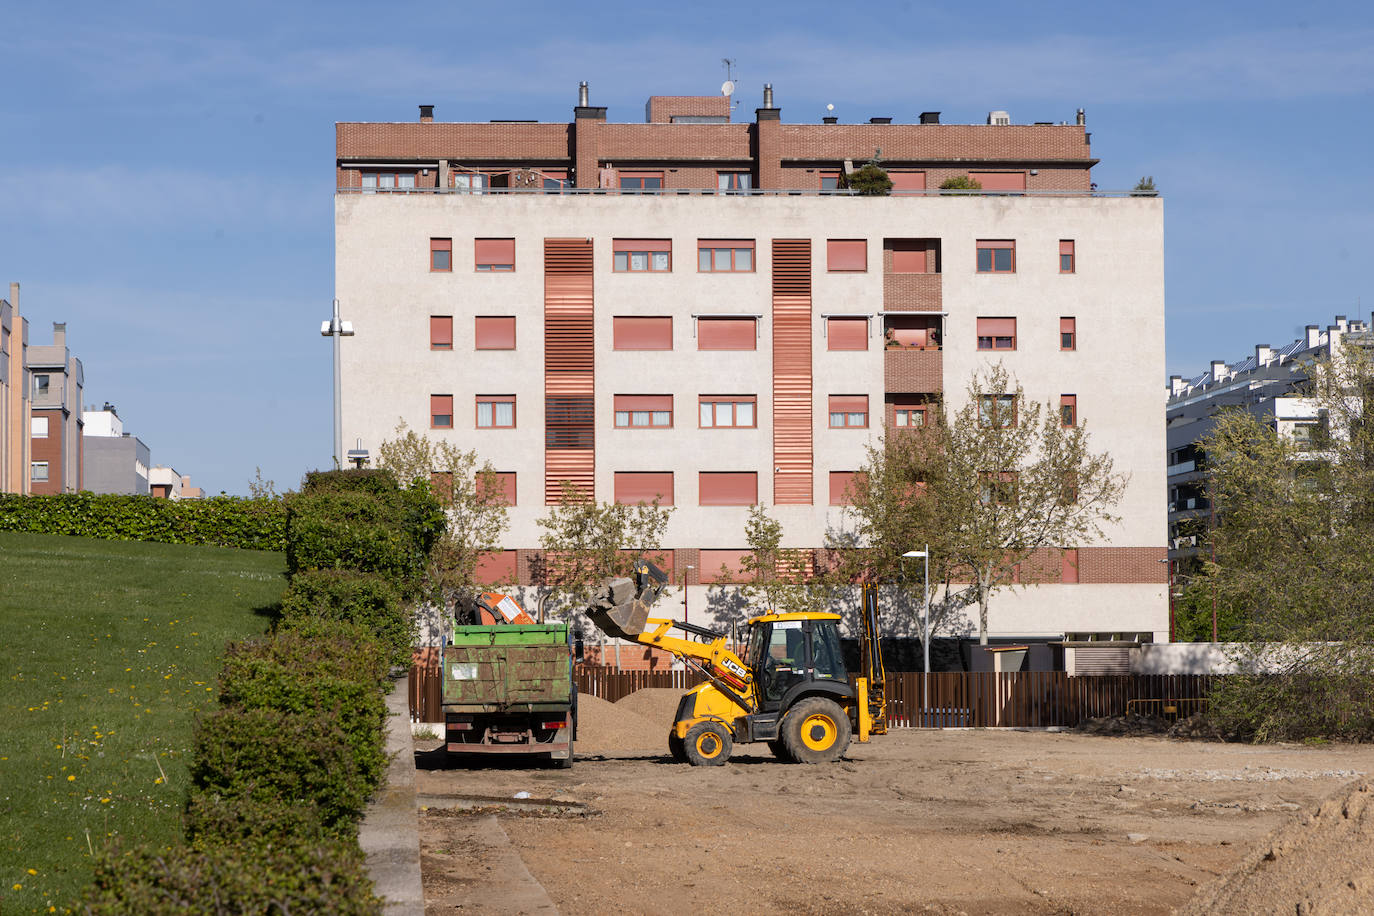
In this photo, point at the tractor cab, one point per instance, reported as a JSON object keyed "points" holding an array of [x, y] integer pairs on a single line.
{"points": [[788, 652]]}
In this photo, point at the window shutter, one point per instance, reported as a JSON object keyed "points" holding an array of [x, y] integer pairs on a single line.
{"points": [[716, 488], [846, 333], [841, 483], [1066, 246], [1000, 181], [441, 332], [849, 403], [633, 487], [496, 251], [495, 332], [996, 327], [642, 245], [907, 181], [644, 402], [908, 257], [1066, 325], [846, 254], [631, 333], [726, 334]]}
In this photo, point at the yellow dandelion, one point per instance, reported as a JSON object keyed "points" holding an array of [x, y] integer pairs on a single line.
{"points": [[33, 871], [104, 801], [158, 781], [71, 779], [17, 887]]}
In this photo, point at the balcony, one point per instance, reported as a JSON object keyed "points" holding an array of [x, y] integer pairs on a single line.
{"points": [[912, 292], [913, 370]]}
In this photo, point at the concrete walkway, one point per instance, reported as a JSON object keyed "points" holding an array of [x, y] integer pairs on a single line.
{"points": [[390, 832]]}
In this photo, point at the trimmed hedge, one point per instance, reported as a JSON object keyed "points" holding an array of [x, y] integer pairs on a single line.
{"points": [[368, 600], [249, 822], [267, 753], [319, 877], [221, 521]]}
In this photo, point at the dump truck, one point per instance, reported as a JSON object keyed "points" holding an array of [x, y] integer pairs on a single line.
{"points": [[791, 689], [508, 690]]}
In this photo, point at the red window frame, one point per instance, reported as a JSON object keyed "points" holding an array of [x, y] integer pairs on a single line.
{"points": [[641, 181], [903, 414], [1068, 410], [829, 180], [726, 406], [1068, 333], [440, 250], [734, 181], [992, 406], [851, 409], [493, 332], [629, 330], [493, 399], [737, 481], [628, 406], [393, 180], [841, 332], [441, 332], [1068, 262], [441, 411], [712, 247], [623, 252], [846, 255], [991, 247], [493, 255], [727, 332], [639, 483], [997, 333]]}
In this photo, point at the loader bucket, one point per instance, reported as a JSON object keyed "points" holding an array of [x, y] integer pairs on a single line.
{"points": [[625, 621]]}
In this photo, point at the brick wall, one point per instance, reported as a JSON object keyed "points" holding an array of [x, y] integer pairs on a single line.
{"points": [[913, 371], [661, 108], [912, 292], [1123, 564], [50, 450]]}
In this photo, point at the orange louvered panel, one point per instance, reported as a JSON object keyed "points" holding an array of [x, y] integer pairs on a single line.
{"points": [[792, 446], [569, 359]]}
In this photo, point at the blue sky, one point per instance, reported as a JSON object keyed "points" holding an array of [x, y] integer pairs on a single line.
{"points": [[167, 167]]}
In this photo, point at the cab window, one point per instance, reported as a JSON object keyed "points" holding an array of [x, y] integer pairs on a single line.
{"points": [[825, 649]]}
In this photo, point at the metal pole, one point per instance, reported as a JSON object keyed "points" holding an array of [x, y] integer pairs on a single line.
{"points": [[335, 330], [925, 638]]}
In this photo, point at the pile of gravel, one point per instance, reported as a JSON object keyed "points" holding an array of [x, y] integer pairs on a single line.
{"points": [[657, 704], [1129, 725], [609, 728]]}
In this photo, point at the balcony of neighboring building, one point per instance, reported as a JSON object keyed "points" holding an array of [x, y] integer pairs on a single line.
{"points": [[912, 360], [47, 390], [911, 275]]}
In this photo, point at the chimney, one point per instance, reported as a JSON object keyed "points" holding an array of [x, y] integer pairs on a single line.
{"points": [[426, 113], [59, 334], [1082, 118], [1314, 335], [830, 119], [1176, 385], [1341, 323], [1263, 355], [879, 120], [14, 297], [583, 95], [767, 95], [1218, 370], [930, 117]]}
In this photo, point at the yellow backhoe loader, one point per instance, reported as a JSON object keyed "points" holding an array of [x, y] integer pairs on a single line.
{"points": [[791, 688]]}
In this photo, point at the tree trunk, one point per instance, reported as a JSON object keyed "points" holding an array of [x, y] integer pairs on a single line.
{"points": [[983, 613]]}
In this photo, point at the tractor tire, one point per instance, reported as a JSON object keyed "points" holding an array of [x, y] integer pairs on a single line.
{"points": [[678, 748], [707, 744], [779, 750], [816, 730]]}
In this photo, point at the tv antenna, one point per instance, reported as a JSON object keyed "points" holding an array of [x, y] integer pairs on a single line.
{"points": [[727, 88]]}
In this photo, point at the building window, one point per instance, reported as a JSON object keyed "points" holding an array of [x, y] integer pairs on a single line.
{"points": [[641, 181], [555, 180], [497, 487], [1068, 334], [388, 181], [998, 489], [997, 411], [495, 332], [716, 488], [906, 181], [40, 386], [635, 333], [1000, 181], [495, 254], [997, 333], [1066, 258], [38, 471], [725, 255], [441, 411], [648, 255], [720, 333], [38, 427], [846, 255], [473, 182], [849, 411], [843, 485], [728, 412], [441, 255], [496, 411], [1068, 409], [909, 416], [441, 332], [846, 333], [830, 180], [909, 255], [635, 487], [996, 257], [734, 181], [648, 411]]}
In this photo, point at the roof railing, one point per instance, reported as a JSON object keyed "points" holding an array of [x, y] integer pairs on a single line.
{"points": [[753, 192]]}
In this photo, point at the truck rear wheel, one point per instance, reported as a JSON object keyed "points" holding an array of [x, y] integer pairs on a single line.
{"points": [[816, 730], [707, 744]]}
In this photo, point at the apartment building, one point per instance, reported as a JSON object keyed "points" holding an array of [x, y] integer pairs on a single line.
{"points": [[57, 381], [14, 396], [115, 461], [694, 308]]}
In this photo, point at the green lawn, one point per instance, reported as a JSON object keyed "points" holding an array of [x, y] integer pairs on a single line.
{"points": [[111, 649]]}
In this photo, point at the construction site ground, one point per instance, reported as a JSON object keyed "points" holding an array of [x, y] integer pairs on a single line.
{"points": [[985, 821]]}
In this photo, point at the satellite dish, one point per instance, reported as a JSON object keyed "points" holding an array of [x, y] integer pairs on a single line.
{"points": [[727, 88]]}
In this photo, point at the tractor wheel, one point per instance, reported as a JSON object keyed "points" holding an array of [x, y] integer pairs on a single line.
{"points": [[779, 750], [677, 747], [816, 730], [707, 744]]}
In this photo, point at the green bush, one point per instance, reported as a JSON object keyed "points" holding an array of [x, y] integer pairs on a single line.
{"points": [[222, 521], [363, 522], [870, 180], [372, 601], [321, 877], [249, 822], [267, 753], [330, 678], [961, 183]]}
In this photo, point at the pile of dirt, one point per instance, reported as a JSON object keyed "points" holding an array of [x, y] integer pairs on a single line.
{"points": [[1197, 728], [1319, 863], [1130, 725], [609, 728], [658, 704]]}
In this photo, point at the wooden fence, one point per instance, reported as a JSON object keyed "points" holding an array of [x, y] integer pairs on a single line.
{"points": [[960, 699]]}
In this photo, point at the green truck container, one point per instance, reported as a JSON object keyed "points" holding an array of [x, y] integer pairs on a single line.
{"points": [[508, 689]]}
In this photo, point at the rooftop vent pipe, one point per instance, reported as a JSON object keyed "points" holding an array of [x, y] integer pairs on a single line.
{"points": [[1082, 118], [582, 95], [879, 120], [426, 112], [930, 117], [767, 95]]}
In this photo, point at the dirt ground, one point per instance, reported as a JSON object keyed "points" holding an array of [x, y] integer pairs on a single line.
{"points": [[925, 821]]}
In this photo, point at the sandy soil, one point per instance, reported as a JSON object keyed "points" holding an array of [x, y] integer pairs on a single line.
{"points": [[943, 822]]}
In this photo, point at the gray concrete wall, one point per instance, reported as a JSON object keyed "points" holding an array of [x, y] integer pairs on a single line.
{"points": [[112, 464]]}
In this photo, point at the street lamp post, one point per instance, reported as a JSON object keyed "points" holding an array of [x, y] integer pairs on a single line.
{"points": [[925, 625], [338, 330]]}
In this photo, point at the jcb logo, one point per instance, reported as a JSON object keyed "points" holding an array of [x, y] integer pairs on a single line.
{"points": [[733, 667]]}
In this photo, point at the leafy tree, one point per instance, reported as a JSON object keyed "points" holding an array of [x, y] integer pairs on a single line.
{"points": [[472, 496], [585, 541], [1293, 551], [870, 180], [961, 183], [996, 488], [777, 576]]}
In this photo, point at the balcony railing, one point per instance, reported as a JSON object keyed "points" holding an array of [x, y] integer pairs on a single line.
{"points": [[752, 192]]}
